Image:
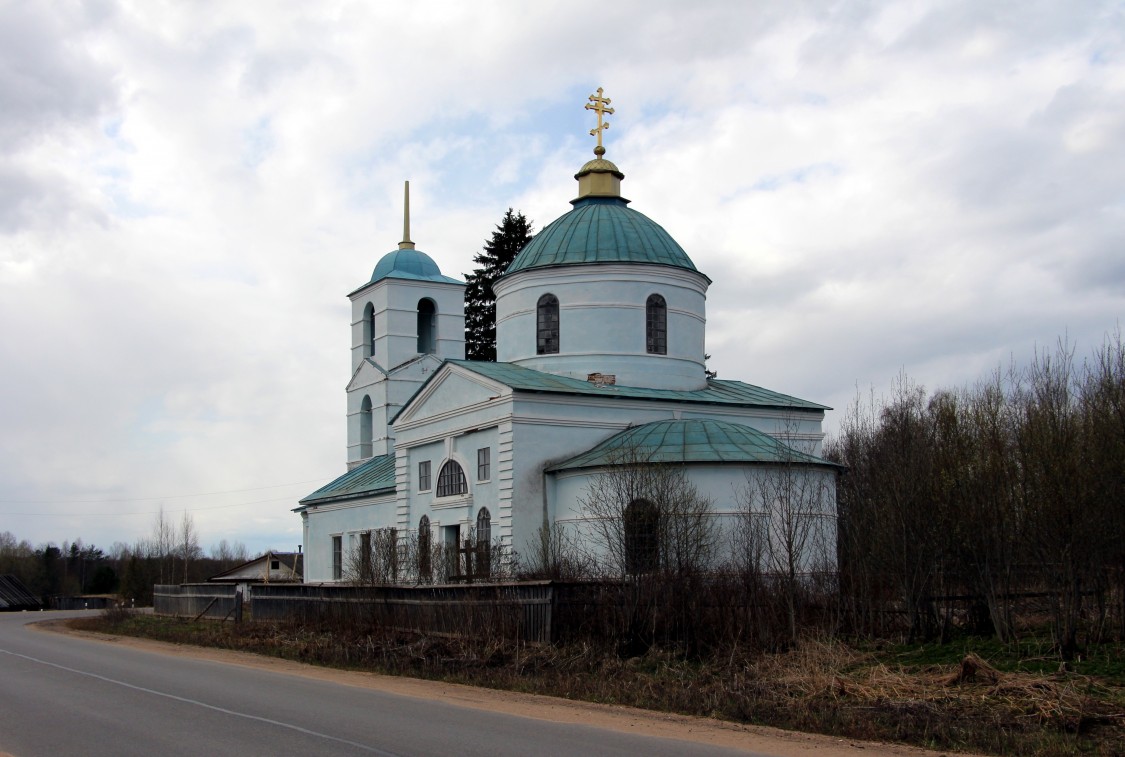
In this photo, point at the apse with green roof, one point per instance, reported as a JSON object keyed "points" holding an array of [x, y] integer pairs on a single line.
{"points": [[604, 293]]}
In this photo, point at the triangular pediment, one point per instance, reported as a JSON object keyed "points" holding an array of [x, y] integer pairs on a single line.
{"points": [[420, 366], [369, 372], [452, 389]]}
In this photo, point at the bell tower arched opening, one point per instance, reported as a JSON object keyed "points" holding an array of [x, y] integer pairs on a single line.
{"points": [[427, 326]]}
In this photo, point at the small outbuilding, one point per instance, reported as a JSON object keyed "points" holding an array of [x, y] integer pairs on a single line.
{"points": [[269, 568]]}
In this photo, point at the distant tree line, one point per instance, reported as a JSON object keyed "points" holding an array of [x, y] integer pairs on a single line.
{"points": [[171, 554], [997, 498]]}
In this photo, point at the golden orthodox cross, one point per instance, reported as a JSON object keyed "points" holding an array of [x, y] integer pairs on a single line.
{"points": [[598, 104]]}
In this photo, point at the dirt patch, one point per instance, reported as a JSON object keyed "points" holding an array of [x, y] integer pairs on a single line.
{"points": [[623, 719]]}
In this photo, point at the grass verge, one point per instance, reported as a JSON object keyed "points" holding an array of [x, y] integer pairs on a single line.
{"points": [[974, 695]]}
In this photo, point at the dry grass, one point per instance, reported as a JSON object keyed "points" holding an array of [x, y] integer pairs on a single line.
{"points": [[821, 685]]}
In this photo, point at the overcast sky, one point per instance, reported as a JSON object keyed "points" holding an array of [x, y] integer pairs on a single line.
{"points": [[188, 190]]}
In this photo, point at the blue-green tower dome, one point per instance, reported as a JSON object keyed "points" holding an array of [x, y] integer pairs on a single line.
{"points": [[408, 263]]}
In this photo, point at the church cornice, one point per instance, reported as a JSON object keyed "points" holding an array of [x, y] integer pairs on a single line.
{"points": [[416, 283], [578, 273]]}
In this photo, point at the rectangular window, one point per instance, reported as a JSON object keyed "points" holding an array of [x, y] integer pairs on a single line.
{"points": [[484, 466], [337, 558], [424, 476]]}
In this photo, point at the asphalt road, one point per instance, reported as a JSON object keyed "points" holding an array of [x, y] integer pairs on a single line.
{"points": [[64, 695]]}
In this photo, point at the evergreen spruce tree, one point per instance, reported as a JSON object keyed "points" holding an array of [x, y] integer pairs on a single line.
{"points": [[513, 232]]}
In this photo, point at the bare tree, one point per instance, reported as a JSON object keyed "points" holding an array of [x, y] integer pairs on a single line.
{"points": [[187, 545], [647, 516], [787, 523], [648, 524], [228, 555], [163, 545], [555, 554]]}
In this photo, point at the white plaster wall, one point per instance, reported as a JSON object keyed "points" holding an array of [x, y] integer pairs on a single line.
{"points": [[396, 320], [388, 394], [456, 510], [344, 519], [460, 412], [727, 488], [546, 429], [602, 323]]}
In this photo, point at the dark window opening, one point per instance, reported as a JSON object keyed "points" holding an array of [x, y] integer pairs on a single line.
{"points": [[366, 566], [547, 325], [337, 558], [425, 564], [483, 557], [656, 325], [642, 537], [424, 476], [365, 427], [427, 323], [369, 330]]}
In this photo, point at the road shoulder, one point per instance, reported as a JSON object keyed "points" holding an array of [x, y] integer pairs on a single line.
{"points": [[623, 719]]}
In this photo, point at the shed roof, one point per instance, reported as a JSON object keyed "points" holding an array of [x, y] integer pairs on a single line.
{"points": [[15, 596]]}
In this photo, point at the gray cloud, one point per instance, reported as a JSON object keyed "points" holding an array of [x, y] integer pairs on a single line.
{"points": [[189, 190], [47, 78]]}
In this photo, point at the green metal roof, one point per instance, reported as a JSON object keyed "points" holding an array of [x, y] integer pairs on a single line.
{"points": [[376, 476], [717, 392], [409, 264], [601, 230], [689, 441]]}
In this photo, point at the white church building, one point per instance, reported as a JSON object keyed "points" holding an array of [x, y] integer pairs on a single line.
{"points": [[600, 332]]}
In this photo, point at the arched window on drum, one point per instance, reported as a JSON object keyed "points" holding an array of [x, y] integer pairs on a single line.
{"points": [[547, 325], [656, 325]]}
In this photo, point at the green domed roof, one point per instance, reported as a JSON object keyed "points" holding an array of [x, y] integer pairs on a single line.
{"points": [[601, 230], [696, 440], [409, 264], [689, 441]]}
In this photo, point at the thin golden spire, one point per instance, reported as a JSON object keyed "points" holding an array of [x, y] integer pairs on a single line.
{"points": [[406, 244]]}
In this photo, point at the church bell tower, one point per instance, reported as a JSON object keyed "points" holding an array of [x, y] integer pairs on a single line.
{"points": [[406, 320]]}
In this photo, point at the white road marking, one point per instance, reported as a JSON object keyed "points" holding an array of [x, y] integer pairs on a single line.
{"points": [[204, 705]]}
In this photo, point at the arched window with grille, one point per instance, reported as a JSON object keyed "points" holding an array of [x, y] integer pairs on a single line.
{"points": [[427, 326], [451, 480], [425, 566], [484, 526], [365, 427], [483, 567], [656, 325], [642, 537], [547, 325]]}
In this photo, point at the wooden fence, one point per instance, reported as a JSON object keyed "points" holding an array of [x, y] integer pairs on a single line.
{"points": [[513, 611], [196, 600]]}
